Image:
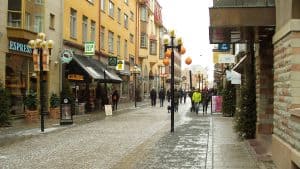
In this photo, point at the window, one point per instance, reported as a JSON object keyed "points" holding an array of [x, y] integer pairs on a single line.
{"points": [[110, 42], [119, 15], [93, 31], [102, 35], [103, 5], [111, 9], [153, 44], [131, 38], [52, 21], [144, 40], [14, 13], [73, 23], [161, 52], [144, 14], [38, 24], [27, 20], [125, 21], [84, 28], [39, 2], [126, 2], [131, 16], [91, 1], [125, 50], [118, 46]]}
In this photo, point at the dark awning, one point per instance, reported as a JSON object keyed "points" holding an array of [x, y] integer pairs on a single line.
{"points": [[97, 70], [241, 24]]}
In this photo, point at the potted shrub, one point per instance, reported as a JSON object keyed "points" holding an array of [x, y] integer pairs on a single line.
{"points": [[31, 102], [4, 106], [54, 106]]}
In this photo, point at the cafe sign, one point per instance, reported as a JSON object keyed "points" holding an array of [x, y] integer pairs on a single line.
{"points": [[19, 47]]}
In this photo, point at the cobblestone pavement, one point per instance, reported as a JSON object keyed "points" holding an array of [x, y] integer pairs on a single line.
{"points": [[135, 139]]}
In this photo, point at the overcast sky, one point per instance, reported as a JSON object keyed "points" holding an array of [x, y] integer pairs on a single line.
{"points": [[190, 20]]}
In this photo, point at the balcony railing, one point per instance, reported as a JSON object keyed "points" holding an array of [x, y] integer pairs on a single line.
{"points": [[244, 3]]}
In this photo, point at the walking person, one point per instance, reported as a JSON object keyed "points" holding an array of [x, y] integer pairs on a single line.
{"points": [[176, 99], [196, 99], [161, 96], [153, 97], [115, 99], [205, 100], [168, 95], [184, 96]]}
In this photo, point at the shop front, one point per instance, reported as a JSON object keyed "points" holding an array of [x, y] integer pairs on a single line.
{"points": [[88, 79]]}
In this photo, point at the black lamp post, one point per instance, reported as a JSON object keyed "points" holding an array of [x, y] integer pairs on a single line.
{"points": [[135, 71], [172, 46], [41, 52]]}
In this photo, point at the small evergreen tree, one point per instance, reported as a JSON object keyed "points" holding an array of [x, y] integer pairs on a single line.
{"points": [[245, 119], [4, 106], [228, 104]]}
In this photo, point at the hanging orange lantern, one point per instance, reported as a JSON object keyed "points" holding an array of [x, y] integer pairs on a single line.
{"points": [[168, 53], [182, 50], [188, 60], [166, 61]]}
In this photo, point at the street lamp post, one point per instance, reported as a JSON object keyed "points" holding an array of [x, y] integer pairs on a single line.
{"points": [[172, 46], [135, 71], [41, 51]]}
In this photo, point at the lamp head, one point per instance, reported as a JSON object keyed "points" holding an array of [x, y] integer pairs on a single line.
{"points": [[50, 44], [31, 44], [42, 36]]}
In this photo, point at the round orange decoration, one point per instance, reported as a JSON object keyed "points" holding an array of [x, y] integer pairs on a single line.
{"points": [[168, 53], [188, 60], [182, 50], [166, 61]]}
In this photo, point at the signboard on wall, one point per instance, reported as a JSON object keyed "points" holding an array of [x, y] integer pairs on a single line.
{"points": [[120, 65], [226, 58], [89, 48]]}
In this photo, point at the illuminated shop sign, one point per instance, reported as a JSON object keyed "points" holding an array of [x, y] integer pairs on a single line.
{"points": [[20, 47]]}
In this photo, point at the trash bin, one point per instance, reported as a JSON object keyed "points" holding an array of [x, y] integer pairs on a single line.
{"points": [[66, 116]]}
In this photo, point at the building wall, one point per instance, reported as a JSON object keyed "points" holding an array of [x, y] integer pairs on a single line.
{"points": [[91, 11], [3, 39], [286, 138], [54, 34], [112, 24]]}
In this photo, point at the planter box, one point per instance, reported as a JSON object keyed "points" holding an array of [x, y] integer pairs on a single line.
{"points": [[54, 113], [32, 115]]}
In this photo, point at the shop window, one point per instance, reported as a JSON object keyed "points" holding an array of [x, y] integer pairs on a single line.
{"points": [[14, 15]]}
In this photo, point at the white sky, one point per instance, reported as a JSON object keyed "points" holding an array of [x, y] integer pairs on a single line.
{"points": [[190, 20]]}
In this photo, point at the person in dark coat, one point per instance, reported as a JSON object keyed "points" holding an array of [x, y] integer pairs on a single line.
{"points": [[168, 95], [153, 97], [205, 100], [161, 96], [115, 99]]}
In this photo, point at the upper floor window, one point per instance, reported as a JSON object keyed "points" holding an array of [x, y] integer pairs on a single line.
{"points": [[131, 38], [144, 14], [27, 20], [73, 23], [84, 28], [126, 21], [38, 24], [39, 2], [144, 40], [118, 46], [111, 9], [119, 15], [93, 30], [125, 49], [14, 14], [103, 5], [153, 47], [126, 2], [91, 1], [131, 16], [110, 42], [102, 36], [52, 21]]}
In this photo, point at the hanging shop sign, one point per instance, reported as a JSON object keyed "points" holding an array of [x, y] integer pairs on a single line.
{"points": [[112, 61], [19, 47], [89, 48], [235, 77], [120, 65], [226, 58], [223, 47], [75, 77], [66, 56]]}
